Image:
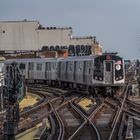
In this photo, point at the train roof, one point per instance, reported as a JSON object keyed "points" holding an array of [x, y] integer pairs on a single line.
{"points": [[71, 58], [90, 57], [32, 60]]}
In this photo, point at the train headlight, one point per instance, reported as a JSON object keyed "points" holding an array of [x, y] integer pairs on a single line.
{"points": [[117, 79], [120, 77], [100, 78], [96, 77], [118, 67]]}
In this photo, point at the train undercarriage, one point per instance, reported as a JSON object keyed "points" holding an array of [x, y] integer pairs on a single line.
{"points": [[94, 90]]}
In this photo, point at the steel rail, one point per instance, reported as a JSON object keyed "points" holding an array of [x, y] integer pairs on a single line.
{"points": [[61, 133], [87, 119], [119, 113]]}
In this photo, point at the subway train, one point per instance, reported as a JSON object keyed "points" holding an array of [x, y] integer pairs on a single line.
{"points": [[103, 73]]}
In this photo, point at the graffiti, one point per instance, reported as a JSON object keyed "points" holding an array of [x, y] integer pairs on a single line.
{"points": [[73, 50]]}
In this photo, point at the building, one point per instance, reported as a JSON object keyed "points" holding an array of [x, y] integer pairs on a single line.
{"points": [[32, 36]]}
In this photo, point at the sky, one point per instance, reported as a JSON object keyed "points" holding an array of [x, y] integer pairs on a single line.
{"points": [[115, 23]]}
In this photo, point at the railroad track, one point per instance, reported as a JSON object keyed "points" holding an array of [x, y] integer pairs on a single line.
{"points": [[36, 114], [43, 110], [70, 121], [59, 109], [117, 120], [104, 119], [90, 130]]}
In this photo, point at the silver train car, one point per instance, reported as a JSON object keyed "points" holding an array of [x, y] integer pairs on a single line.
{"points": [[91, 73], [38, 70]]}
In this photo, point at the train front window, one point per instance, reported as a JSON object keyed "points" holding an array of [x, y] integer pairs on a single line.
{"points": [[98, 70], [98, 67], [108, 67]]}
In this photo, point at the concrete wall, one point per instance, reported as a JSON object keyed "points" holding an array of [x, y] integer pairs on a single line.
{"points": [[30, 35], [53, 37], [81, 41], [18, 35]]}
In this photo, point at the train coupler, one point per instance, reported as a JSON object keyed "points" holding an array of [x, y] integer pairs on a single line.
{"points": [[109, 91]]}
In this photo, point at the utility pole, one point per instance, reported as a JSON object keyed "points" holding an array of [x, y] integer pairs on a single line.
{"points": [[13, 80]]}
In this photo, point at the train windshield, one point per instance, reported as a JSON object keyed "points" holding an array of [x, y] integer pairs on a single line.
{"points": [[108, 67], [98, 67], [98, 71]]}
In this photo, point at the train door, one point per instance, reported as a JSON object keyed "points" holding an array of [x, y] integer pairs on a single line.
{"points": [[74, 73], [40, 71], [67, 72], [31, 70], [59, 71], [63, 71], [70, 71], [46, 70], [108, 72]]}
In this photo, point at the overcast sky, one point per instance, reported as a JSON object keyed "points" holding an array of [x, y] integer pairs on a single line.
{"points": [[115, 23]]}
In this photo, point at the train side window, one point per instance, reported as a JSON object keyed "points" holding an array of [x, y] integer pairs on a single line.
{"points": [[70, 66], [39, 67], [89, 71], [31, 66], [89, 66], [63, 66], [46, 66], [22, 66], [59, 68], [49, 66], [53, 65], [79, 69]]}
